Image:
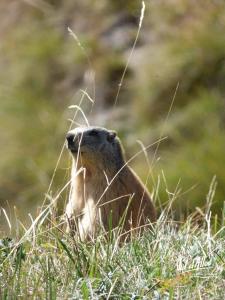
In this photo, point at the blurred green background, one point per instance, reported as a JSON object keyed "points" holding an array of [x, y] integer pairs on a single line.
{"points": [[44, 69]]}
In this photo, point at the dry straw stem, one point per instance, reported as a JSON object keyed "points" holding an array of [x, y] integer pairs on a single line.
{"points": [[131, 53], [72, 33], [127, 162], [78, 108], [211, 194], [82, 112], [43, 6], [7, 219], [154, 160]]}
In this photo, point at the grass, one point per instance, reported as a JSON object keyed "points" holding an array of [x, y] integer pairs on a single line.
{"points": [[179, 43], [169, 261]]}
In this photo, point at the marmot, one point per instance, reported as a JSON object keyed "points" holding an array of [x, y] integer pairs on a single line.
{"points": [[104, 189]]}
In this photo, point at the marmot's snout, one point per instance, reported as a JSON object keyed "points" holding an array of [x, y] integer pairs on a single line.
{"points": [[73, 141]]}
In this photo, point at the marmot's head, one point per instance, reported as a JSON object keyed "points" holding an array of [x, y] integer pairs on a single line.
{"points": [[95, 146]]}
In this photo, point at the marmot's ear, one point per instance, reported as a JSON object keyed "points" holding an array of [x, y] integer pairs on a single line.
{"points": [[111, 136]]}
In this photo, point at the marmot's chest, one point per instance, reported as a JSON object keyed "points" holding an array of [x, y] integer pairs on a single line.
{"points": [[96, 190], [102, 191]]}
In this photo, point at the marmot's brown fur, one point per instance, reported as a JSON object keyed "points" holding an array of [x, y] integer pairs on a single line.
{"points": [[103, 187]]}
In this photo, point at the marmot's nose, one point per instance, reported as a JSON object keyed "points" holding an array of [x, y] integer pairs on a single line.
{"points": [[70, 138]]}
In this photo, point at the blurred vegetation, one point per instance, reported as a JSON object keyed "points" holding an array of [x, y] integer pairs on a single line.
{"points": [[44, 68]]}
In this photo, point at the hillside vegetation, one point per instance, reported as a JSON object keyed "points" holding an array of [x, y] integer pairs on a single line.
{"points": [[180, 54]]}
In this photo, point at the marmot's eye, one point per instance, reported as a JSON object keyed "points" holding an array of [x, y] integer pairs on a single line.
{"points": [[93, 132], [111, 136]]}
